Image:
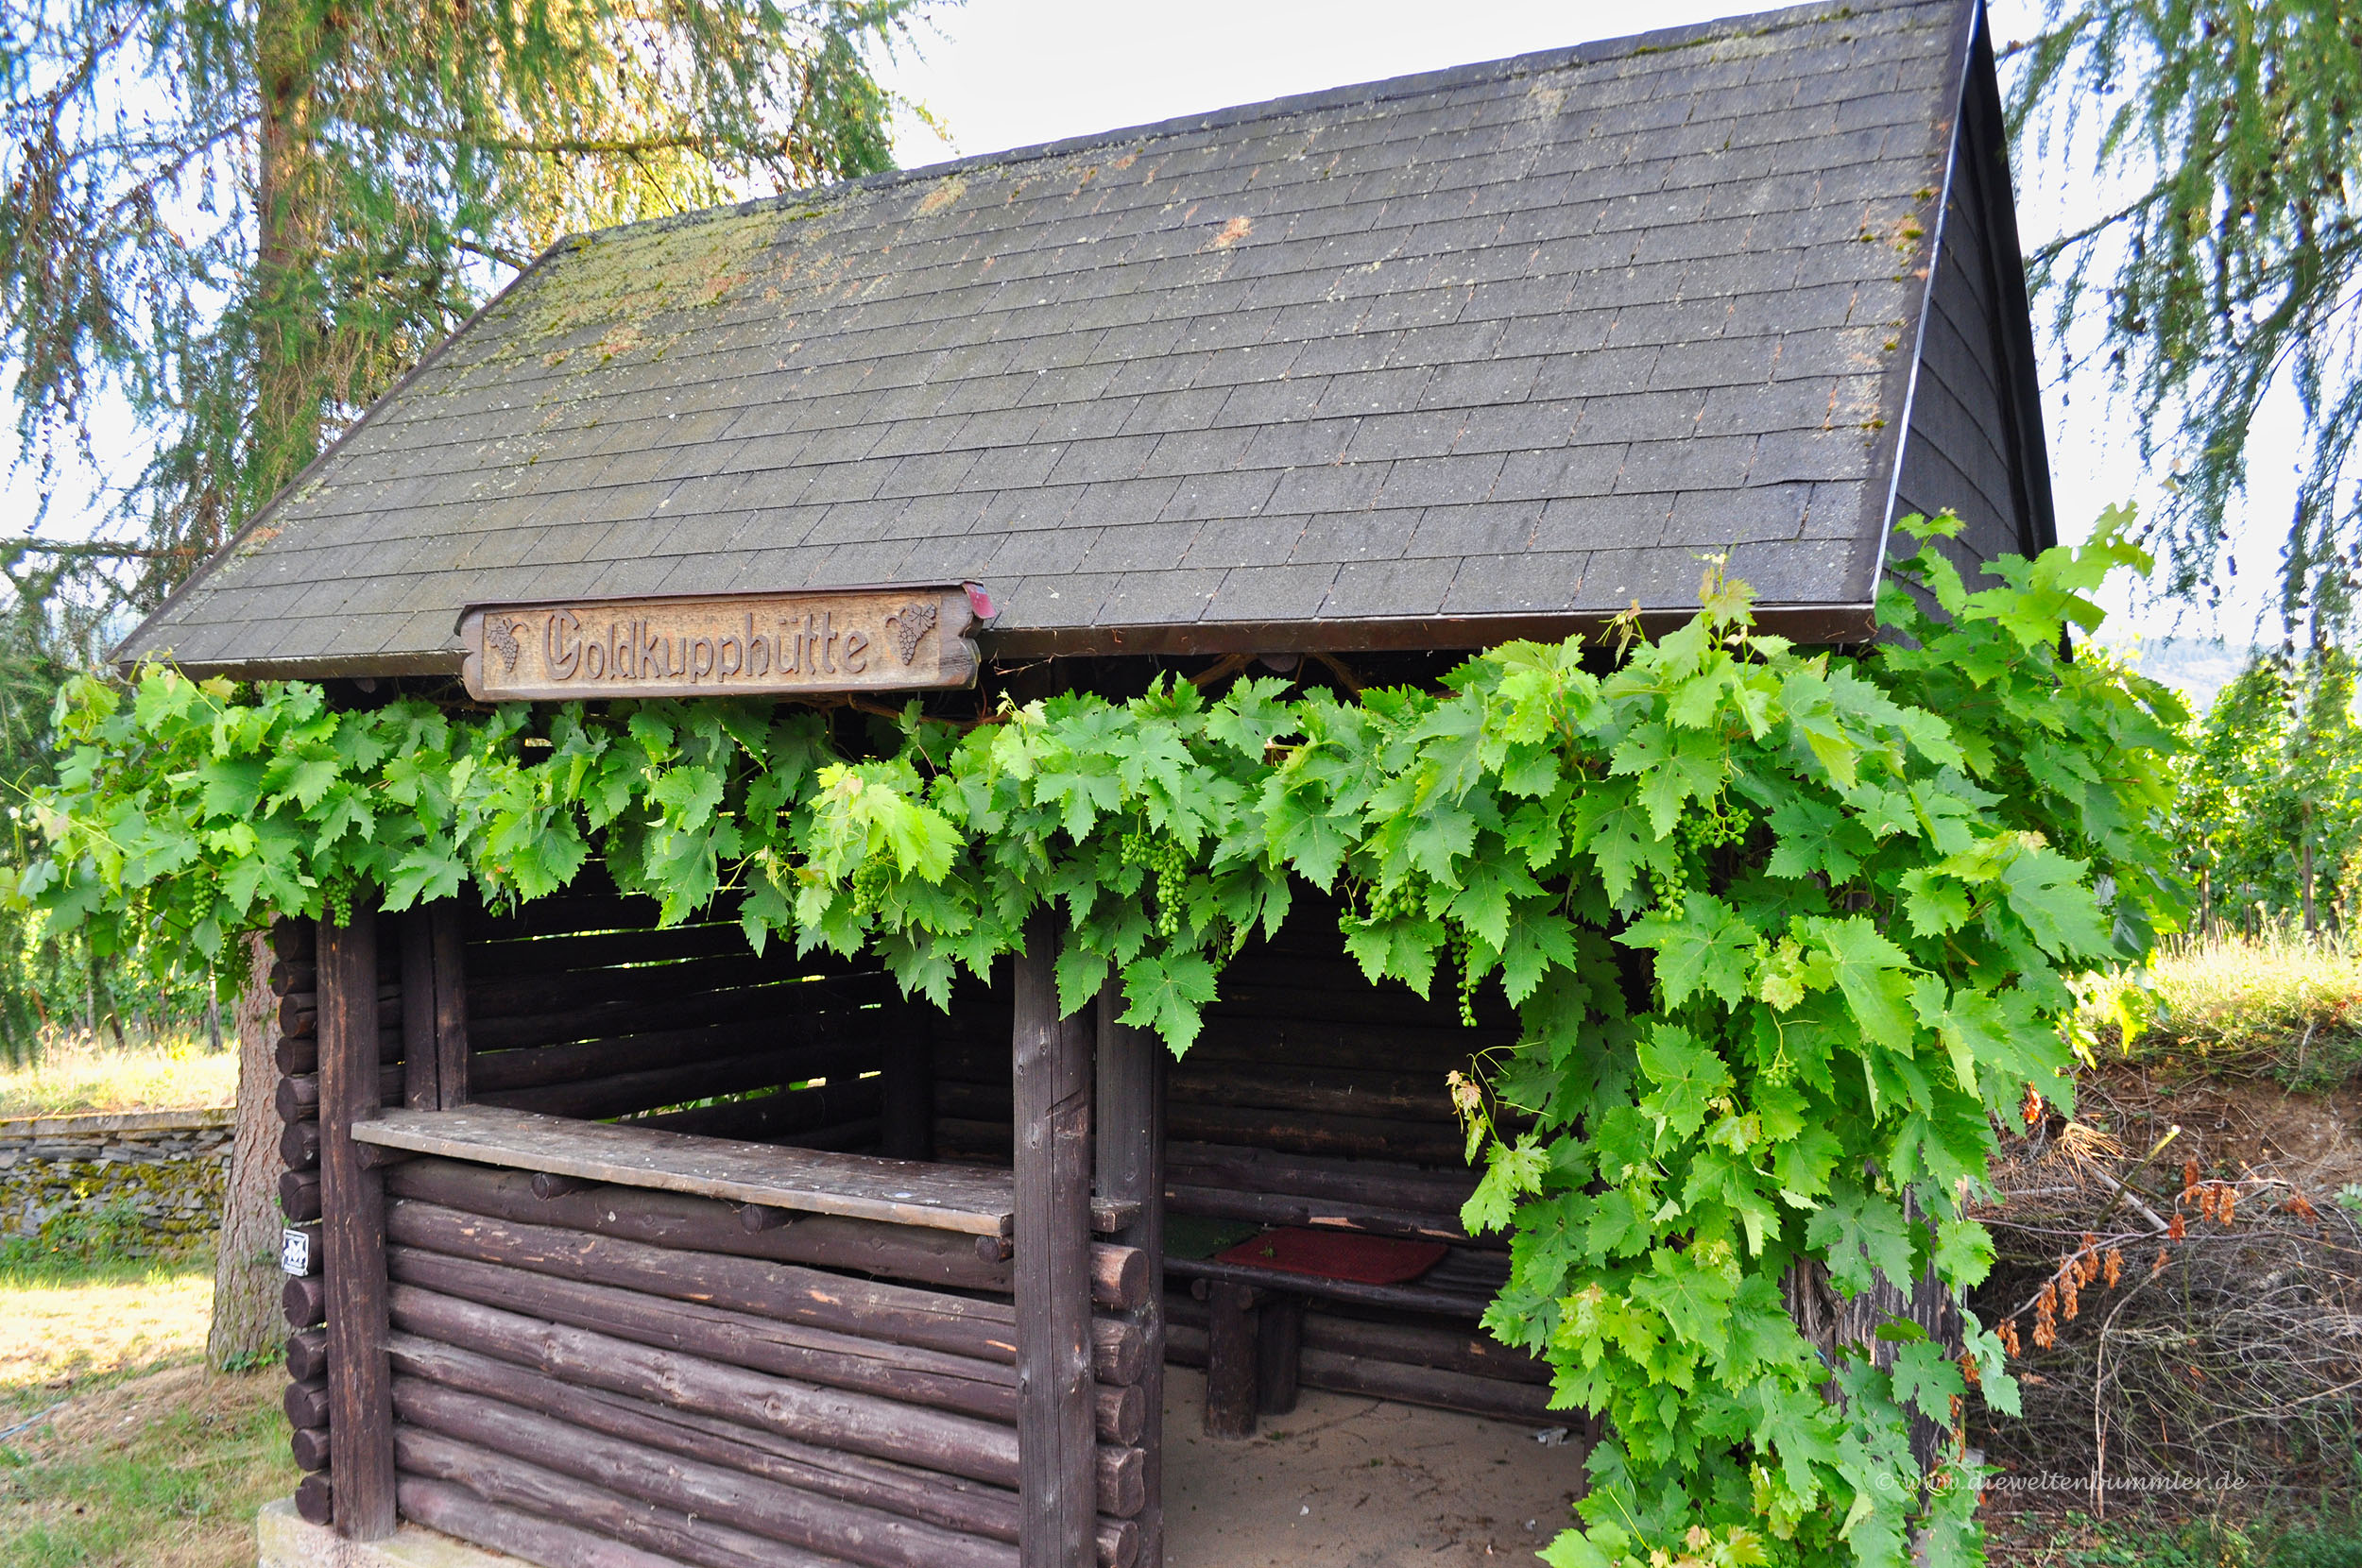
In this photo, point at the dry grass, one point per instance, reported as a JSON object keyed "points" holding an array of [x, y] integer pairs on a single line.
{"points": [[161, 1471], [2184, 1292], [120, 1450], [76, 1075], [2280, 1005], [59, 1329]]}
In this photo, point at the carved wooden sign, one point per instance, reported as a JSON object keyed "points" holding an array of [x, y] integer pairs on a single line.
{"points": [[723, 644]]}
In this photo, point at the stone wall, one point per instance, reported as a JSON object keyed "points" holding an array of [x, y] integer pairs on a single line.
{"points": [[147, 1182]]}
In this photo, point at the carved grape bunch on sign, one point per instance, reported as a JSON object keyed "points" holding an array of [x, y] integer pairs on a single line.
{"points": [[910, 624], [503, 637]]}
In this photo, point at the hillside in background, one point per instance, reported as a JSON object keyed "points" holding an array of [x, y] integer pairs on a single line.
{"points": [[2197, 667]]}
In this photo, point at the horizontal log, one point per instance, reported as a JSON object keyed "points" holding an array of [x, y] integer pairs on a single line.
{"points": [[517, 996], [1406, 1298], [306, 1403], [987, 1106], [927, 1495], [1392, 1004], [291, 938], [1420, 1096], [1308, 1132], [702, 1225], [300, 1144], [1477, 1354], [860, 1423], [960, 1138], [304, 1302], [298, 1097], [849, 1137], [790, 1515], [769, 1117], [533, 1066], [299, 1194], [981, 1057], [1379, 1183], [289, 973], [1501, 1398], [464, 1516], [300, 1053], [314, 1502], [550, 955], [930, 1379], [961, 1325], [631, 1093], [1473, 1356], [602, 1020], [298, 1011], [658, 1535], [1274, 1208], [881, 1429], [307, 1354], [578, 908], [308, 1447]]}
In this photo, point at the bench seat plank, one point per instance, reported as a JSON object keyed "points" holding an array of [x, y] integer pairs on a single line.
{"points": [[1408, 1298], [968, 1199]]}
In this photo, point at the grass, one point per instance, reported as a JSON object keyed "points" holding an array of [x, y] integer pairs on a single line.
{"points": [[77, 1075], [2277, 1005], [2142, 1540], [121, 1451]]}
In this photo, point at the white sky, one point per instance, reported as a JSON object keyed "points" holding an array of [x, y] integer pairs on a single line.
{"points": [[1009, 72]]}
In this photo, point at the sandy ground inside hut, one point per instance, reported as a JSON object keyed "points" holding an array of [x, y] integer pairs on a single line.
{"points": [[1347, 1482]]}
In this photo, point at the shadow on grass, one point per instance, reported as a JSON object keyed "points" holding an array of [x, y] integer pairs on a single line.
{"points": [[163, 1469]]}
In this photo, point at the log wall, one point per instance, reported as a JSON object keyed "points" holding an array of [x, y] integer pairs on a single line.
{"points": [[1311, 1098], [575, 1009], [716, 1396]]}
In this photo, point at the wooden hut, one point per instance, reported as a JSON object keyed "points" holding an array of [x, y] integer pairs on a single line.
{"points": [[619, 1245]]}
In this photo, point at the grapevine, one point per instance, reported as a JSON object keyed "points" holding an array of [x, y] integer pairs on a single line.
{"points": [[1786, 937]]}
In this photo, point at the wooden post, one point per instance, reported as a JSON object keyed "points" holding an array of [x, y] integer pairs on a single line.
{"points": [[433, 1009], [1051, 1079], [353, 1200], [1231, 1332], [1130, 1123], [1278, 1352], [450, 1002], [421, 1076]]}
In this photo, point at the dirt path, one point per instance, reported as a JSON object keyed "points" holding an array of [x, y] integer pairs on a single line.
{"points": [[1344, 1482]]}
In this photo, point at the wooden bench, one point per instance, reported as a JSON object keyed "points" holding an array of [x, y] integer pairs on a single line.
{"points": [[1253, 1339]]}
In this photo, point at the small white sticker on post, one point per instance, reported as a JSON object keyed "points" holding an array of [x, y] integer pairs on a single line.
{"points": [[295, 1252]]}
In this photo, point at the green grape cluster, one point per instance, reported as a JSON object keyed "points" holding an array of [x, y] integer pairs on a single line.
{"points": [[339, 906], [1396, 901], [1464, 955], [1168, 863], [1669, 889], [870, 880], [1721, 825]]}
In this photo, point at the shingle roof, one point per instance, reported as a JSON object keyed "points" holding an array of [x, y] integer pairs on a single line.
{"points": [[1484, 349]]}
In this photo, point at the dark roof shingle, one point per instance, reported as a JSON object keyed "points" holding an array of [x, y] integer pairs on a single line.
{"points": [[1515, 340]]}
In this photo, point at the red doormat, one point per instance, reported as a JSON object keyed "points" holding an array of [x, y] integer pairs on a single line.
{"points": [[1337, 1255]]}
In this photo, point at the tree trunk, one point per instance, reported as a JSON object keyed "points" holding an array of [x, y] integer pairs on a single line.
{"points": [[245, 1262], [291, 44], [2305, 852]]}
